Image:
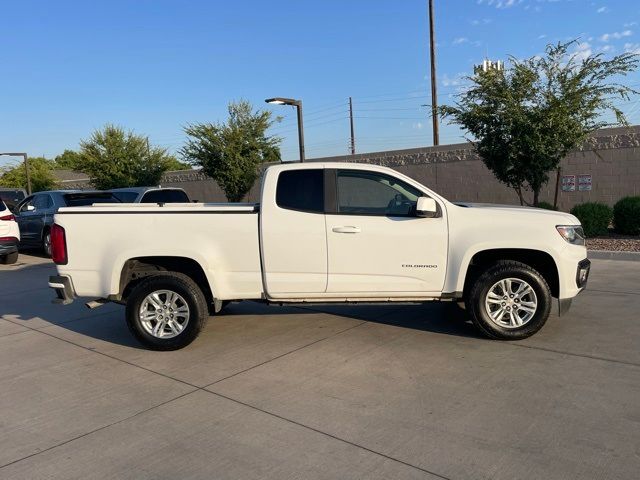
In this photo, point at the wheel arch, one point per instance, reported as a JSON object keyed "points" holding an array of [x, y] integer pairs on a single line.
{"points": [[137, 268], [539, 260]]}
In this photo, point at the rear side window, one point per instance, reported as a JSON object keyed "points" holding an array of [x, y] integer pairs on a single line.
{"points": [[125, 197], [85, 199], [301, 190], [165, 196]]}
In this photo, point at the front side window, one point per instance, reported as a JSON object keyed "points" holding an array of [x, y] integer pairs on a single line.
{"points": [[370, 193], [25, 204], [301, 190]]}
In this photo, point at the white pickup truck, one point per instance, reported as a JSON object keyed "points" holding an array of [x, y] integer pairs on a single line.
{"points": [[323, 232]]}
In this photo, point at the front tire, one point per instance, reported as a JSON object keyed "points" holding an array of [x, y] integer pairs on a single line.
{"points": [[509, 301], [9, 259], [167, 311]]}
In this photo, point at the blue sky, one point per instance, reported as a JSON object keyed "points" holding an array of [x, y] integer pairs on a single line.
{"points": [[154, 66]]}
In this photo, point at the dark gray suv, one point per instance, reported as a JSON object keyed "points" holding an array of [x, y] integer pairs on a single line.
{"points": [[35, 213]]}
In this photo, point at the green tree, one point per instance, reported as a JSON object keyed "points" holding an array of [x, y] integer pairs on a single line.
{"points": [[525, 119], [232, 152], [115, 158], [174, 164], [69, 159], [40, 171]]}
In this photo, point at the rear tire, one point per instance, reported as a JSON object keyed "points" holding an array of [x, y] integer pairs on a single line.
{"points": [[509, 301], [9, 259], [167, 311]]}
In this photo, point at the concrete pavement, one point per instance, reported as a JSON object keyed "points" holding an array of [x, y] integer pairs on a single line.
{"points": [[320, 392]]}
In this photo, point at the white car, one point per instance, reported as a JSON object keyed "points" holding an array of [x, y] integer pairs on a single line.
{"points": [[9, 235], [323, 232]]}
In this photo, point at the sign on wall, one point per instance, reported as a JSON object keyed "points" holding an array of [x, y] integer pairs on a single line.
{"points": [[584, 183], [568, 183]]}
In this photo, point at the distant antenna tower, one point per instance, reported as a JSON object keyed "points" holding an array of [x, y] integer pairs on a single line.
{"points": [[487, 65]]}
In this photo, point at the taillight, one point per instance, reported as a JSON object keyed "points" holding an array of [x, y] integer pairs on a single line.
{"points": [[8, 218], [58, 245]]}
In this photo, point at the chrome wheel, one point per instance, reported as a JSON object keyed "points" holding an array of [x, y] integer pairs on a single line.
{"points": [[164, 314], [511, 303], [46, 244]]}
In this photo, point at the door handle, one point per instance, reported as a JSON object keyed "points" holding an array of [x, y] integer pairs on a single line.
{"points": [[346, 229]]}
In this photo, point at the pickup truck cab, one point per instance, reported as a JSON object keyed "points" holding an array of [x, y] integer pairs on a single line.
{"points": [[322, 232]]}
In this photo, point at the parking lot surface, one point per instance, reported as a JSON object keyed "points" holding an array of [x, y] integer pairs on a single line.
{"points": [[338, 392]]}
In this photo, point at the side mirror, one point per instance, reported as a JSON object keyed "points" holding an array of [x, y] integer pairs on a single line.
{"points": [[30, 208], [426, 207]]}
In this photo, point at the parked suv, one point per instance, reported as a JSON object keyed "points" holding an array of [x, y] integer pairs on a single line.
{"points": [[150, 195], [9, 235], [35, 213]]}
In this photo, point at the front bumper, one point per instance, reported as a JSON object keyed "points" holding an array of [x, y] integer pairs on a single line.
{"points": [[582, 277], [63, 288], [8, 245], [582, 274]]}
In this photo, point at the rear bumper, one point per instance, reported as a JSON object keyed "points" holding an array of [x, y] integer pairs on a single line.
{"points": [[64, 289], [8, 245]]}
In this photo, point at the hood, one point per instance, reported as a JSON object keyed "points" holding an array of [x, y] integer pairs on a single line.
{"points": [[561, 218]]}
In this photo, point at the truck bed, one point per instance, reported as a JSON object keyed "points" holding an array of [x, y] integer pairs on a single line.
{"points": [[222, 238]]}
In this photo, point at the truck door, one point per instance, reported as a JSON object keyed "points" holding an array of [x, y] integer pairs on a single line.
{"points": [[293, 233], [376, 243]]}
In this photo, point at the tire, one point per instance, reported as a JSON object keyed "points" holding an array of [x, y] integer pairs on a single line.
{"points": [[509, 315], [46, 243], [9, 259], [143, 315]]}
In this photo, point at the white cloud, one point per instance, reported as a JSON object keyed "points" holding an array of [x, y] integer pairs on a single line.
{"points": [[417, 125], [603, 10], [583, 50], [632, 48], [540, 37], [499, 3], [615, 35], [460, 41], [630, 24], [480, 21], [448, 81], [608, 49]]}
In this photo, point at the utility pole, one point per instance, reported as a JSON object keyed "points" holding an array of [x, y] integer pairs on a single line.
{"points": [[26, 166], [434, 89], [352, 145]]}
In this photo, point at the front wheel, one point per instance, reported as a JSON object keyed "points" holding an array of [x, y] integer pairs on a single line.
{"points": [[509, 301], [167, 311]]}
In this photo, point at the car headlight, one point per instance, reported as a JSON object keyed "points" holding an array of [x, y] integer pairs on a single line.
{"points": [[572, 234]]}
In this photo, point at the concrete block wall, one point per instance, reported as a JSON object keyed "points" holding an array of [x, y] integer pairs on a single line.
{"points": [[611, 157]]}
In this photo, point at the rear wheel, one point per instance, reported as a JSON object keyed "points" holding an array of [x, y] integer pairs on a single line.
{"points": [[509, 301], [167, 311], [46, 243]]}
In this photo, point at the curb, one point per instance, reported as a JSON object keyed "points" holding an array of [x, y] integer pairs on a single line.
{"points": [[611, 255]]}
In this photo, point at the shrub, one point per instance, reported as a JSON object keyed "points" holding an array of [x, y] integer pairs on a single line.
{"points": [[547, 206], [595, 217], [626, 215]]}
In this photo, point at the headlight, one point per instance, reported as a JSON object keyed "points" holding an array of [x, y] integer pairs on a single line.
{"points": [[572, 234]]}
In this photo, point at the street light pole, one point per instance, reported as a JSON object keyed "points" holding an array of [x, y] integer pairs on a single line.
{"points": [[434, 90], [26, 166], [298, 105]]}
